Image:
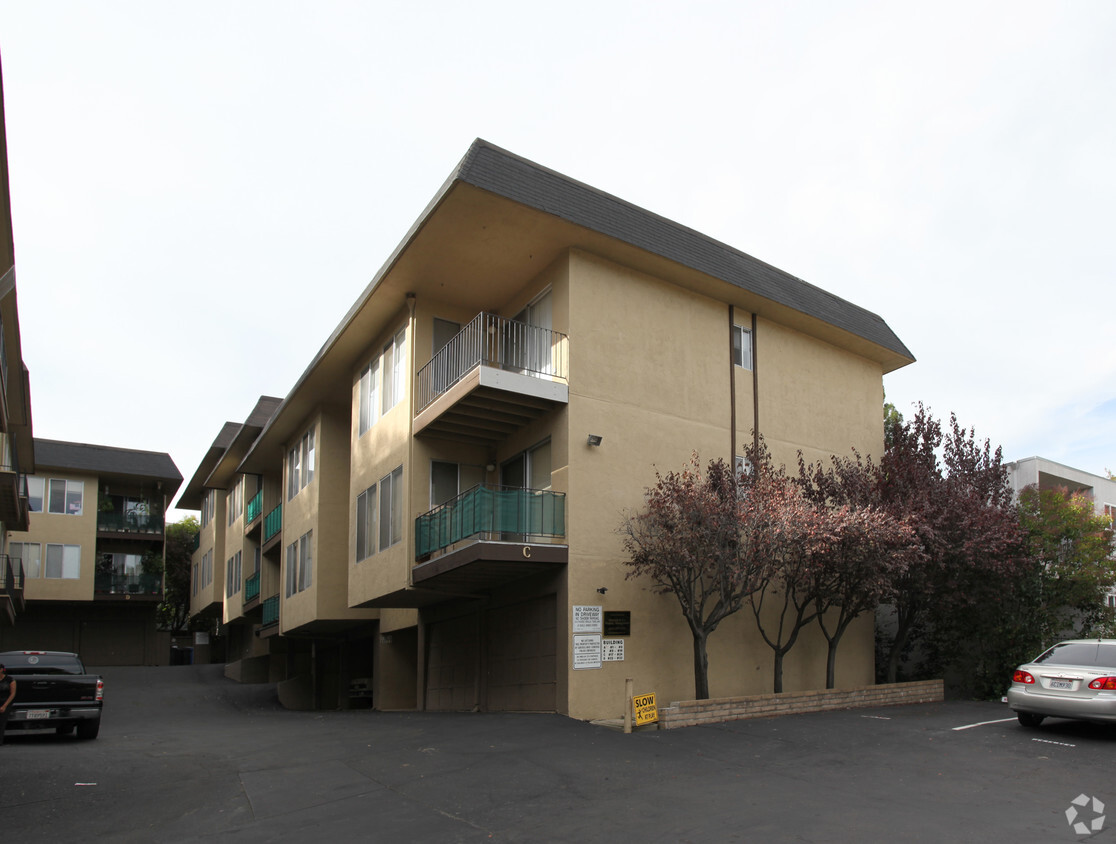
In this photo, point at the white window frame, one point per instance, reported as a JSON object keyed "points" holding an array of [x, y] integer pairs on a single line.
{"points": [[69, 487], [300, 463], [69, 561], [300, 564], [366, 533], [742, 346], [34, 483], [369, 388], [391, 508], [234, 501], [19, 549]]}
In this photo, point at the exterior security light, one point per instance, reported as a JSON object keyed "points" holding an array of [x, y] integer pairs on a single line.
{"points": [[595, 439]]}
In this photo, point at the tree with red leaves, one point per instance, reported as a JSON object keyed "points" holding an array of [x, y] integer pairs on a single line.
{"points": [[688, 539]]}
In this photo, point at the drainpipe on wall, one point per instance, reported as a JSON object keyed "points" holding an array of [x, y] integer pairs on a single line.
{"points": [[409, 474], [755, 389], [732, 391]]}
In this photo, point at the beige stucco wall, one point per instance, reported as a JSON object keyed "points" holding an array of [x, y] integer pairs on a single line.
{"points": [[650, 372], [63, 529], [210, 537]]}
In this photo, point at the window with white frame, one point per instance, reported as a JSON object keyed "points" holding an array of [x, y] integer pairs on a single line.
{"points": [[62, 562], [207, 497], [300, 464], [300, 564], [31, 555], [65, 496], [366, 524], [742, 346], [369, 396], [36, 489], [394, 360], [196, 568], [232, 574], [391, 508]]}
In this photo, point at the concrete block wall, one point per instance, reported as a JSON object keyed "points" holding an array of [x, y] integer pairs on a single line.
{"points": [[691, 713]]}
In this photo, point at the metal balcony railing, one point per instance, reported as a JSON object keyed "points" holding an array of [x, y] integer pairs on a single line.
{"points": [[270, 611], [111, 583], [252, 511], [252, 587], [13, 574], [273, 523], [495, 341], [492, 512], [131, 522]]}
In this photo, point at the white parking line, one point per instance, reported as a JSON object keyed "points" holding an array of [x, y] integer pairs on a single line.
{"points": [[1059, 743], [984, 723]]}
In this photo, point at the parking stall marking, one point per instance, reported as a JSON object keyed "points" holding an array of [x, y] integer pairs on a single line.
{"points": [[983, 724]]}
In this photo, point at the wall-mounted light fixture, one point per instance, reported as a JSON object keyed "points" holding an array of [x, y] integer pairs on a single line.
{"points": [[595, 439], [603, 589]]}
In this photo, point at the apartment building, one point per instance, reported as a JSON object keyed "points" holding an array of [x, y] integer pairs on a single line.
{"points": [[451, 469], [93, 553], [17, 449]]}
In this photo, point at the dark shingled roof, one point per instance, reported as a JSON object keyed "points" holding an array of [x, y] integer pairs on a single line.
{"points": [[107, 460], [493, 169]]}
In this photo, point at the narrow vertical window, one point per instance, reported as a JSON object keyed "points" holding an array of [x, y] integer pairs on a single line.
{"points": [[742, 346]]}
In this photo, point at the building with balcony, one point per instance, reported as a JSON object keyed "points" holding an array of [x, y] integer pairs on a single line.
{"points": [[17, 449], [453, 466], [93, 554]]}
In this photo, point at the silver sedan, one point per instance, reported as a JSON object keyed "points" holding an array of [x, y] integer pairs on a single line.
{"points": [[1073, 679]]}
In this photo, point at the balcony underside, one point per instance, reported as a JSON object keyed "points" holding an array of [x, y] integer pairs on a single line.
{"points": [[13, 506], [474, 571], [489, 403]]}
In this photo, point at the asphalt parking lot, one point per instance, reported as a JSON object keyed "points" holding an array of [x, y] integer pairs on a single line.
{"points": [[185, 755]]}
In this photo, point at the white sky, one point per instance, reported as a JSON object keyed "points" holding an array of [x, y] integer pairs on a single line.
{"points": [[180, 172]]}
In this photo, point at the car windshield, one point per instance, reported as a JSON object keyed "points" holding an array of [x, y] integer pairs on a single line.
{"points": [[1080, 653]]}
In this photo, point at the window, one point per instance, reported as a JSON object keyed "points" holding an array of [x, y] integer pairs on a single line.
{"points": [[65, 497], [35, 491], [63, 562], [742, 346], [391, 508], [207, 568], [1110, 600], [369, 395], [300, 564], [234, 501], [232, 574], [366, 524], [448, 480], [196, 567], [394, 359], [300, 464], [742, 466], [30, 553]]}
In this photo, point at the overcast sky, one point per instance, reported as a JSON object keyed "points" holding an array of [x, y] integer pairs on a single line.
{"points": [[201, 190]]}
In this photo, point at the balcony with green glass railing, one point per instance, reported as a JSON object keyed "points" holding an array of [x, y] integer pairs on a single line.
{"points": [[273, 523], [252, 587], [487, 511], [270, 612], [132, 521], [254, 508]]}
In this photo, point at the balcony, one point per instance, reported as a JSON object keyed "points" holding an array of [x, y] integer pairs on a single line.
{"points": [[483, 539], [132, 522], [272, 529], [494, 377], [11, 588], [251, 589], [126, 586], [269, 623], [14, 512], [255, 506]]}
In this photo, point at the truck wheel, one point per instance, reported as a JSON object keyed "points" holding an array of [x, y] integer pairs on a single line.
{"points": [[1029, 719], [88, 729]]}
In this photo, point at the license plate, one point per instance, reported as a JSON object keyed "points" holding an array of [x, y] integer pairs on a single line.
{"points": [[37, 714], [1061, 684]]}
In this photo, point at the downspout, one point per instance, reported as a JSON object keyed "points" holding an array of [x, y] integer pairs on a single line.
{"points": [[755, 390], [409, 474], [732, 389]]}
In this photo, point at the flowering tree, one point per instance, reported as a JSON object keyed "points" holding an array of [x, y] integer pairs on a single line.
{"points": [[688, 540]]}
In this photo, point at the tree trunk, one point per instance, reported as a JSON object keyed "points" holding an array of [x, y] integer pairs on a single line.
{"points": [[701, 668], [778, 670], [831, 663], [902, 633]]}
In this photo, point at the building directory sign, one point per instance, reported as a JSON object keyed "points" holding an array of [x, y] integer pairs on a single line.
{"points": [[612, 650]]}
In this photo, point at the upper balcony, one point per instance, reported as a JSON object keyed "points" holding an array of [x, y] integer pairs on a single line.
{"points": [[135, 517], [11, 587], [494, 377], [14, 509]]}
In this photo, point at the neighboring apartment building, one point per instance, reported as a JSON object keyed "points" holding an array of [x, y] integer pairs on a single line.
{"points": [[17, 450], [449, 474], [1046, 474], [94, 552]]}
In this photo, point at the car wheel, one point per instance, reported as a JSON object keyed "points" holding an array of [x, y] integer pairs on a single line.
{"points": [[1029, 719], [89, 729]]}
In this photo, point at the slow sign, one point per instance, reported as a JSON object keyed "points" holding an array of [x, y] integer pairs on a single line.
{"points": [[645, 709]]}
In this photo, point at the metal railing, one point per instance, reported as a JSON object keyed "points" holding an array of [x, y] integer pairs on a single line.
{"points": [[127, 584], [495, 512], [273, 523], [252, 511], [252, 587], [491, 340], [131, 522], [13, 574], [270, 611]]}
